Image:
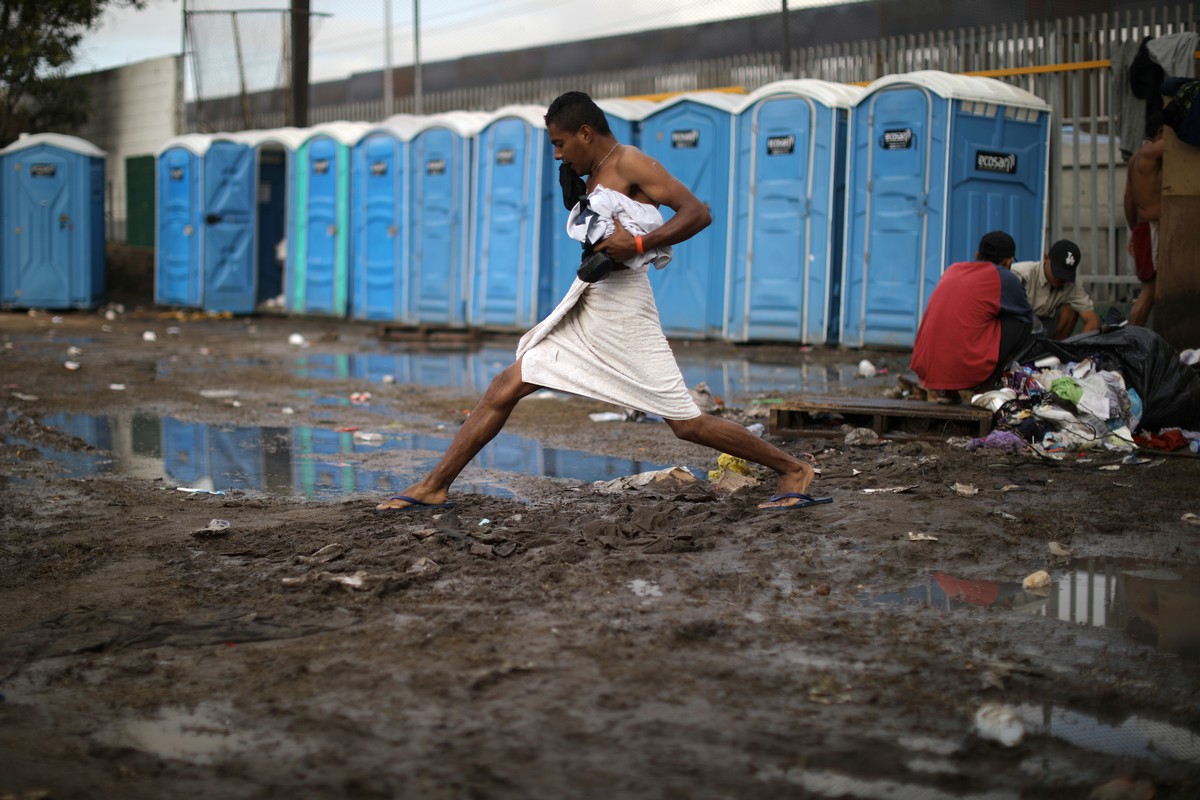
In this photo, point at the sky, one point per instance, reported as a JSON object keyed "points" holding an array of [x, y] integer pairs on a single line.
{"points": [[351, 39]]}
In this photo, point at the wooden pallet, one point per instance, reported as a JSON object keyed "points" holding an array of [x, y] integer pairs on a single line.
{"points": [[428, 334], [823, 415]]}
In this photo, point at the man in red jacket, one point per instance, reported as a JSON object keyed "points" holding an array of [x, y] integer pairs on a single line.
{"points": [[977, 321]]}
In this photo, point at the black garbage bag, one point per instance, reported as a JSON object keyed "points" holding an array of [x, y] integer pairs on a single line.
{"points": [[1170, 389]]}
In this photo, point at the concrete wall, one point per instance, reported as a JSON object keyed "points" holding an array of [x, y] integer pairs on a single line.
{"points": [[135, 108]]}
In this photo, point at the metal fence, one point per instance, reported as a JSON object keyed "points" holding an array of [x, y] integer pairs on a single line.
{"points": [[1066, 62]]}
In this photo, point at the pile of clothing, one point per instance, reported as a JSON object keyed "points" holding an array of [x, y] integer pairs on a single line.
{"points": [[1113, 391]]}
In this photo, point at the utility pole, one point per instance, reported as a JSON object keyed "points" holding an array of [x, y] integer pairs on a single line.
{"points": [[300, 51], [388, 80], [416, 56], [786, 55]]}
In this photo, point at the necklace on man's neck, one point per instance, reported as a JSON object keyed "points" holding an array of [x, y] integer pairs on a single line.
{"points": [[596, 168]]}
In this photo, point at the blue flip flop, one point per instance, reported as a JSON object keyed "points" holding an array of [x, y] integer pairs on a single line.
{"points": [[806, 500], [416, 505]]}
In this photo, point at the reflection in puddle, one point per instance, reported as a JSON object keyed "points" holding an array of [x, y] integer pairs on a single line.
{"points": [[304, 460], [1134, 736], [1153, 604], [201, 736]]}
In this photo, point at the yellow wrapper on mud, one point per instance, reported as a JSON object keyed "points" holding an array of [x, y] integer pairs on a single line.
{"points": [[731, 463]]}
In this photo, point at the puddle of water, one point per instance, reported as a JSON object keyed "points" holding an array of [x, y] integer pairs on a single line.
{"points": [[736, 379], [1151, 603], [1134, 736], [201, 736], [304, 460]]}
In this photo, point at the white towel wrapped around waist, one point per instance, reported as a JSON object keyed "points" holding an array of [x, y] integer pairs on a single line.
{"points": [[605, 341], [596, 224]]}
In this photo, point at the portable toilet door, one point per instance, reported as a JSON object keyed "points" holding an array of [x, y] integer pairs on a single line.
{"points": [[936, 161], [788, 203], [52, 194], [439, 236], [624, 120], [515, 186], [319, 280], [690, 135], [178, 269], [379, 191]]}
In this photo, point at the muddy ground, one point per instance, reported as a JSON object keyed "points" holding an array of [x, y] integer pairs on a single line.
{"points": [[663, 643]]}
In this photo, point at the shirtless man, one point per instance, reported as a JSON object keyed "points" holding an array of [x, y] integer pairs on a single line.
{"points": [[1143, 204], [604, 341]]}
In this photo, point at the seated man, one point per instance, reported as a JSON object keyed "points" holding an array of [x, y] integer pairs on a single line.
{"points": [[1057, 300], [977, 321]]}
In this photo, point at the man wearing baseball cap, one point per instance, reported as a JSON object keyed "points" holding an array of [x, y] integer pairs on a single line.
{"points": [[1057, 300]]}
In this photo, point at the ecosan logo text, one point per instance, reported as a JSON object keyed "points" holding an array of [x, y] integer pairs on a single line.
{"points": [[685, 138], [780, 145], [897, 139], [996, 162]]}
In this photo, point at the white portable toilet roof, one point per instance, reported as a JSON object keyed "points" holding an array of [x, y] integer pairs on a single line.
{"points": [[464, 123], [722, 100], [832, 95], [345, 132], [197, 143], [291, 138], [631, 110], [963, 87], [534, 115], [403, 126], [59, 140]]}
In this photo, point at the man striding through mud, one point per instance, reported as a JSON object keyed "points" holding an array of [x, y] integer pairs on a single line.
{"points": [[604, 340]]}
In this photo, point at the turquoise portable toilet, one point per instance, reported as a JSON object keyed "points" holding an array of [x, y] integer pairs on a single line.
{"points": [[936, 160], [319, 261], [784, 274], [691, 135], [244, 208], [517, 198], [178, 269], [380, 198], [52, 239], [624, 120], [440, 218]]}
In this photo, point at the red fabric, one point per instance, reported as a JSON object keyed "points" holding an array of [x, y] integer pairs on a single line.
{"points": [[958, 341], [1143, 251], [1170, 439]]}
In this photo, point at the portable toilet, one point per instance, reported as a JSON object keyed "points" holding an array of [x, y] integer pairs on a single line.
{"points": [[319, 261], [380, 191], [785, 268], [244, 195], [517, 196], [624, 119], [439, 222], [690, 135], [178, 269], [936, 160], [52, 239]]}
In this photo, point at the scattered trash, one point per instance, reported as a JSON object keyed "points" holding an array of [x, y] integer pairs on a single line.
{"points": [[360, 398], [173, 331], [485, 521], [606, 416], [327, 553], [994, 399], [1190, 518], [863, 437], [218, 394], [117, 387], [74, 351], [758, 429], [297, 340], [704, 398], [110, 315], [287, 410], [361, 437], [964, 489], [644, 588], [1005, 515], [28, 398], [1134, 460], [866, 369], [921, 537], [149, 336], [190, 490], [1036, 582], [389, 379], [1060, 550], [669, 477], [728, 463], [1111, 467], [891, 489], [999, 723], [213, 530], [72, 365], [346, 429], [1010, 487], [423, 567]]}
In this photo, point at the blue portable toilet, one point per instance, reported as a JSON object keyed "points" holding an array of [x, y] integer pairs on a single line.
{"points": [[379, 191], [517, 197], [178, 269], [625, 117], [936, 160], [788, 204], [318, 275], [244, 209], [52, 240], [690, 135], [440, 218]]}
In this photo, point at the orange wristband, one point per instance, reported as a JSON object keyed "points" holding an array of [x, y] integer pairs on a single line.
{"points": [[637, 241]]}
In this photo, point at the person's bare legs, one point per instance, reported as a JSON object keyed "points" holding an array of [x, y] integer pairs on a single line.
{"points": [[485, 421], [1141, 307], [729, 437]]}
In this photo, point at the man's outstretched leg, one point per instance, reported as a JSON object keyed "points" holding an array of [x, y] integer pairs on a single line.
{"points": [[485, 421], [729, 437]]}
